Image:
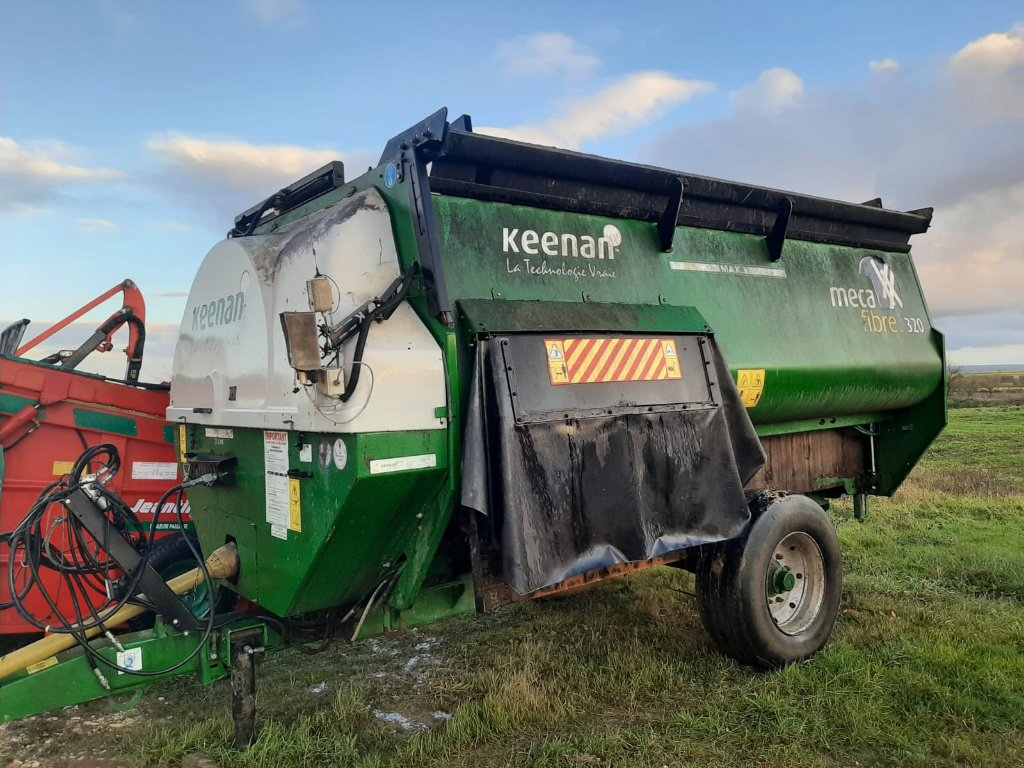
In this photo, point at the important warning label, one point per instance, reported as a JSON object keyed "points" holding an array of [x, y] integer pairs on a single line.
{"points": [[750, 382], [275, 466], [600, 361]]}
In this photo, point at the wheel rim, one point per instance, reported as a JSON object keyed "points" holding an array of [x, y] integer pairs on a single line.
{"points": [[795, 583]]}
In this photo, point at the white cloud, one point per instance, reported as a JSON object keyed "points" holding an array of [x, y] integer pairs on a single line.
{"points": [[989, 75], [544, 54], [237, 162], [38, 172], [997, 52], [774, 90], [225, 176], [627, 104], [915, 145], [94, 226], [886, 65]]}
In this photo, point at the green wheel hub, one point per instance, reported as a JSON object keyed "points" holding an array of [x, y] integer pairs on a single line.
{"points": [[783, 580]]}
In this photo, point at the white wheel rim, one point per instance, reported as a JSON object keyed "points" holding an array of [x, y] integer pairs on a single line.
{"points": [[796, 561]]}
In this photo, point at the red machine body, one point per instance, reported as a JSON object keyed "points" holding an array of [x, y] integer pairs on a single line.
{"points": [[49, 414]]}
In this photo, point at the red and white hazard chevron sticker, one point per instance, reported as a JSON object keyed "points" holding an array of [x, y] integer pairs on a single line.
{"points": [[600, 361]]}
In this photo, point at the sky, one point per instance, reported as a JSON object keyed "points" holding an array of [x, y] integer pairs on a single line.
{"points": [[132, 133]]}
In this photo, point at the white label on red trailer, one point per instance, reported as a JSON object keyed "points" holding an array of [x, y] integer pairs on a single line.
{"points": [[154, 470], [400, 463], [275, 467]]}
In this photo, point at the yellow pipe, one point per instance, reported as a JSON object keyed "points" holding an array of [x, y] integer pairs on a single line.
{"points": [[222, 564]]}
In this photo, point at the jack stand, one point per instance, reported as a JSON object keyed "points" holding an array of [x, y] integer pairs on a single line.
{"points": [[245, 645]]}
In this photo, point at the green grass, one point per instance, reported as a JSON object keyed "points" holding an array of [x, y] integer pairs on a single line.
{"points": [[925, 668]]}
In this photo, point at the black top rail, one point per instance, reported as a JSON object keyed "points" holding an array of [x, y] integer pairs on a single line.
{"points": [[467, 164], [500, 170]]}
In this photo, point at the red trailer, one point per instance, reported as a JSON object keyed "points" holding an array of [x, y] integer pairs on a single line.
{"points": [[50, 413]]}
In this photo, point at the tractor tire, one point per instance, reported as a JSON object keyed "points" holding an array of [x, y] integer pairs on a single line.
{"points": [[171, 556], [770, 597]]}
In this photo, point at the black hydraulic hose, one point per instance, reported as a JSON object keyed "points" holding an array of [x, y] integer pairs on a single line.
{"points": [[386, 307], [357, 360], [81, 566]]}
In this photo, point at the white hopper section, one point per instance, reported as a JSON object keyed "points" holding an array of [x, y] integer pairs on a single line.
{"points": [[231, 366]]}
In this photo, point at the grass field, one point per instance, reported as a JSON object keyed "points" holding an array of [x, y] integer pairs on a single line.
{"points": [[926, 666]]}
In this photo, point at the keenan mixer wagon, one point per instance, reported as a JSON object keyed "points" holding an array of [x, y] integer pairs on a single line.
{"points": [[486, 371]]}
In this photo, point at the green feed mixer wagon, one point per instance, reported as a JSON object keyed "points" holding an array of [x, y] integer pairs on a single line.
{"points": [[486, 372]]}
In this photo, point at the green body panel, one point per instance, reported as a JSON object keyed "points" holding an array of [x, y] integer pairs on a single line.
{"points": [[819, 359], [13, 403], [355, 526], [106, 422], [833, 355], [500, 316]]}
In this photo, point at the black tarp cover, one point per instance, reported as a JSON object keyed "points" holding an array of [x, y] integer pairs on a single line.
{"points": [[568, 497]]}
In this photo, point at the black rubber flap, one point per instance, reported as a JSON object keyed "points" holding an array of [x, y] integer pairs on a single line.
{"points": [[624, 480]]}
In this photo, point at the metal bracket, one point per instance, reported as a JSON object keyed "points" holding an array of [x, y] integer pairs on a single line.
{"points": [[322, 180], [414, 159], [669, 219], [167, 604], [462, 123], [430, 130], [776, 238]]}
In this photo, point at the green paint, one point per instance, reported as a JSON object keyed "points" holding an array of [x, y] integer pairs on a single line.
{"points": [[72, 681], [501, 316], [823, 359], [170, 435], [783, 580], [848, 484], [106, 422], [357, 527], [436, 603], [13, 403], [815, 425]]}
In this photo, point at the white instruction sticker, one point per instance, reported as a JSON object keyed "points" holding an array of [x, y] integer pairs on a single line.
{"points": [[279, 532], [275, 467], [223, 434], [400, 463], [154, 470], [130, 659]]}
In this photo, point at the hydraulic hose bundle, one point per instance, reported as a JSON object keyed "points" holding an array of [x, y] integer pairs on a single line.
{"points": [[53, 540]]}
